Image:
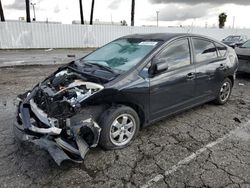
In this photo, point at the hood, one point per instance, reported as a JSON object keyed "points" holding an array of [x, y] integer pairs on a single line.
{"points": [[230, 43], [243, 51]]}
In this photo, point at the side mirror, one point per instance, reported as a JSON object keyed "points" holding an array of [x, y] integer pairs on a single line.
{"points": [[158, 65]]}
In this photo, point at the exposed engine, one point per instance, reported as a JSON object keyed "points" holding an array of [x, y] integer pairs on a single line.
{"points": [[62, 94]]}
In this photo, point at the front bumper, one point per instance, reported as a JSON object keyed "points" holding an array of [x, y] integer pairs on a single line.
{"points": [[69, 142], [44, 143]]}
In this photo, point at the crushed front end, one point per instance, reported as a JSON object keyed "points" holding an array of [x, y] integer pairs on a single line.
{"points": [[47, 116]]}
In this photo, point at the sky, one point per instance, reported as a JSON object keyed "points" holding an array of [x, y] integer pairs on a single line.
{"points": [[197, 13]]}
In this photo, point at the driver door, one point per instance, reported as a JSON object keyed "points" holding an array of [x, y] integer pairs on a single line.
{"points": [[174, 88]]}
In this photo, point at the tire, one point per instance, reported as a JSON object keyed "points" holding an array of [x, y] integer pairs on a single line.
{"points": [[115, 133], [220, 100]]}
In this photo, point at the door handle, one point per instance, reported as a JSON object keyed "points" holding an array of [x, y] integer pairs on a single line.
{"points": [[191, 76]]}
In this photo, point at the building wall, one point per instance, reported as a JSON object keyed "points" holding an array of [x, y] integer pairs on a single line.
{"points": [[20, 35]]}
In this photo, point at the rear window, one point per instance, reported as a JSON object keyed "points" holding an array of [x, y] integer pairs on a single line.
{"points": [[246, 44], [221, 49], [204, 50]]}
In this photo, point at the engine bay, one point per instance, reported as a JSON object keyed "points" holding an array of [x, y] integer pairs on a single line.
{"points": [[61, 95]]}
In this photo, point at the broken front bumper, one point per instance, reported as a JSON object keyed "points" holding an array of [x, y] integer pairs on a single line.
{"points": [[69, 142]]}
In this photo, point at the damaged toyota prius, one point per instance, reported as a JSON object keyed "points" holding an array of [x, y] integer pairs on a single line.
{"points": [[105, 97]]}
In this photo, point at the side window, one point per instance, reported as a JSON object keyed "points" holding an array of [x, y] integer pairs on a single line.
{"points": [[221, 49], [204, 50], [177, 54]]}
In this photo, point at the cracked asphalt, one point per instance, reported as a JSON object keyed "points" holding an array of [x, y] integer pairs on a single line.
{"points": [[40, 56], [156, 150]]}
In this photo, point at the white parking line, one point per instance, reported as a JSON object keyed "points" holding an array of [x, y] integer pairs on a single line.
{"points": [[191, 157]]}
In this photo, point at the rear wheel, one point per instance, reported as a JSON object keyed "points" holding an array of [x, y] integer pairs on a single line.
{"points": [[120, 125], [225, 92]]}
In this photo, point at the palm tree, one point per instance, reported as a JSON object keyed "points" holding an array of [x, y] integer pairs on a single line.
{"points": [[81, 12], [27, 10], [133, 13], [92, 12], [222, 20], [1, 12]]}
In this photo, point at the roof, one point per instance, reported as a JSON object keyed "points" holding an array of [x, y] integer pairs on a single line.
{"points": [[157, 36], [166, 36]]}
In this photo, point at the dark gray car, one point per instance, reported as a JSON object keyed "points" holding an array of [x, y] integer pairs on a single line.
{"points": [[243, 53], [107, 96], [235, 40]]}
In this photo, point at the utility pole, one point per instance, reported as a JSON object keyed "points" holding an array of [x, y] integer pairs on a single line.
{"points": [[233, 21], [1, 12], [34, 11], [111, 17], [81, 12], [92, 12], [27, 10], [157, 18], [133, 13]]}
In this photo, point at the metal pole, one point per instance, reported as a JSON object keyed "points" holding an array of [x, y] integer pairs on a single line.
{"points": [[34, 11], [233, 21], [27, 10], [111, 19], [1, 12], [157, 18], [81, 12], [133, 13], [92, 12]]}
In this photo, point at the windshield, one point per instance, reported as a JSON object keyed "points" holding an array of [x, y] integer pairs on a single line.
{"points": [[232, 39], [122, 54], [246, 44]]}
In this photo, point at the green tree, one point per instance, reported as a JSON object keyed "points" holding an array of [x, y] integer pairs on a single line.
{"points": [[123, 23], [133, 13], [222, 20], [81, 12], [92, 12], [1, 12], [27, 10]]}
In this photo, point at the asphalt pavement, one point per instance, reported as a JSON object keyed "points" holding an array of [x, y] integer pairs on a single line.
{"points": [[40, 56]]}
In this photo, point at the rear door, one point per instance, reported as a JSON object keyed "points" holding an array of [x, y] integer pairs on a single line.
{"points": [[209, 68], [173, 89]]}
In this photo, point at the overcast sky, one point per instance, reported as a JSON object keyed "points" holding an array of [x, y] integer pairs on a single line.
{"points": [[171, 12]]}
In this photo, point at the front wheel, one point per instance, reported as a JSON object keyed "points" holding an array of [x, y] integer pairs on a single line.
{"points": [[120, 125], [225, 92]]}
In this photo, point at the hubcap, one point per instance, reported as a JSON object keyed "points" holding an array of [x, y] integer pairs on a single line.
{"points": [[225, 91], [122, 129]]}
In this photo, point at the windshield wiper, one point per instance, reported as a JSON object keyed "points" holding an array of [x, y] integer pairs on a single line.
{"points": [[103, 67]]}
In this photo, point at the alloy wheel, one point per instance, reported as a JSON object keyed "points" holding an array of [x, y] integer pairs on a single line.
{"points": [[122, 129], [225, 91]]}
